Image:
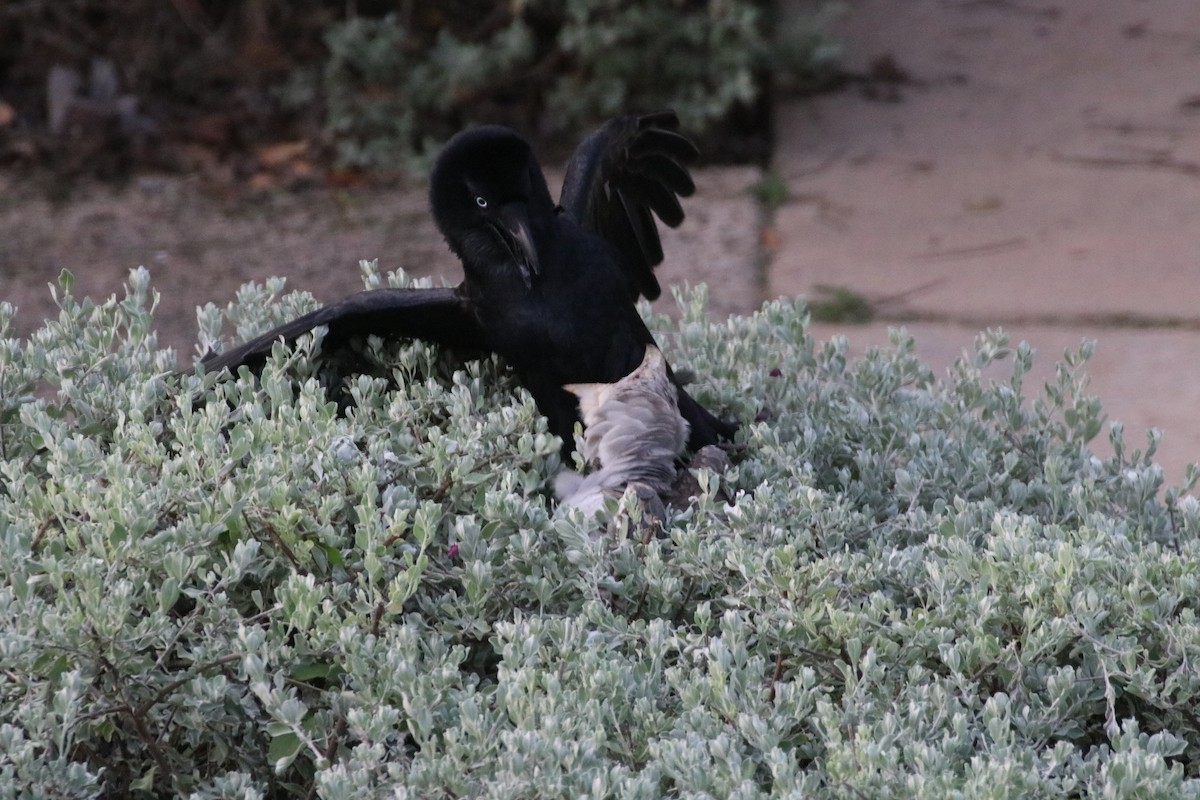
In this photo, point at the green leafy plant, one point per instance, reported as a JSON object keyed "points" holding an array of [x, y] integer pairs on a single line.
{"points": [[381, 85], [840, 304], [389, 99], [396, 86], [771, 192], [920, 588]]}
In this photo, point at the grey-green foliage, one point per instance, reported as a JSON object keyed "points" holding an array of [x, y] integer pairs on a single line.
{"points": [[699, 60], [923, 588], [387, 102], [395, 86]]}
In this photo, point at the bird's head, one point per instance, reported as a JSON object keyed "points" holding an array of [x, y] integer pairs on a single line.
{"points": [[490, 199]]}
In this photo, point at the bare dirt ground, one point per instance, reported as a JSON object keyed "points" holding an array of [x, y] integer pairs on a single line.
{"points": [[201, 242]]}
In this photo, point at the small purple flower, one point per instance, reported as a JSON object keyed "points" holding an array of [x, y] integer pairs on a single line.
{"points": [[776, 373], [452, 553]]}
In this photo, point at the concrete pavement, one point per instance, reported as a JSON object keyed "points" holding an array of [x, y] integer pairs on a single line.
{"points": [[1037, 169]]}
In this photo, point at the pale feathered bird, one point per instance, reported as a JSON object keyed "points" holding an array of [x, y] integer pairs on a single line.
{"points": [[633, 433]]}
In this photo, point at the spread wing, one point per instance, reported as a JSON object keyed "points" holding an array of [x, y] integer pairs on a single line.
{"points": [[433, 315], [622, 172]]}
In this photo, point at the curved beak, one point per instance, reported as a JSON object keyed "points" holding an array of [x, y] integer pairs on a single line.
{"points": [[515, 233]]}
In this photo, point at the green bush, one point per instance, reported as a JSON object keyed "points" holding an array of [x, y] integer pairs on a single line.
{"points": [[380, 85], [922, 588], [395, 87]]}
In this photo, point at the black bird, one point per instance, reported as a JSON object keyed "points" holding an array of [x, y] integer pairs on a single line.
{"points": [[550, 288]]}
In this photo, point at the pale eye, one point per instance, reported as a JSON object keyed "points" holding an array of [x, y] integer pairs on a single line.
{"points": [[481, 202]]}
